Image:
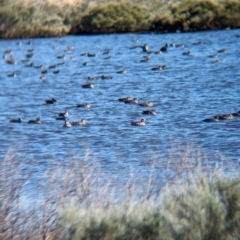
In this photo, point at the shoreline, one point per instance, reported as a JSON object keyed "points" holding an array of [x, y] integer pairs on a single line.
{"points": [[27, 20]]}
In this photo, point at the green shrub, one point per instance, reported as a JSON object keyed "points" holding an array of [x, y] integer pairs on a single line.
{"points": [[199, 15], [200, 209], [115, 17]]}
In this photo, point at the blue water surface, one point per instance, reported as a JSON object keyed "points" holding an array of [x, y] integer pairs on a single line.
{"points": [[189, 90]]}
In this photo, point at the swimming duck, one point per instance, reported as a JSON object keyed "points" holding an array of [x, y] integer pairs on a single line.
{"points": [[67, 124], [10, 60], [29, 54], [79, 123], [150, 112], [179, 45], [42, 77], [12, 74], [7, 51], [106, 77], [30, 64], [35, 121], [159, 67], [37, 65], [146, 58], [52, 66], [197, 43], [124, 99], [60, 56], [43, 70], [164, 48], [226, 117], [84, 105], [214, 119], [146, 104], [60, 63], [145, 48], [106, 52], [93, 78], [69, 48], [223, 50], [237, 114], [51, 101], [87, 85], [213, 55], [56, 71], [16, 120], [65, 114], [88, 54], [139, 123], [188, 53], [132, 101], [122, 71]]}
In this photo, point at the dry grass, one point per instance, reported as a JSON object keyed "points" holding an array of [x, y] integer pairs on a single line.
{"points": [[34, 18], [79, 200]]}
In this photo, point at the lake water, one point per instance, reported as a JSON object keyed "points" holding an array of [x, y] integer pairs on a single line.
{"points": [[189, 90]]}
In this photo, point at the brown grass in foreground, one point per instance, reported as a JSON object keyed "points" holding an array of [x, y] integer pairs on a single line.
{"points": [[183, 197]]}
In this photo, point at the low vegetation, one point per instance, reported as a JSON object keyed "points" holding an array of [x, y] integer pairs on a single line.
{"points": [[32, 18], [184, 197]]}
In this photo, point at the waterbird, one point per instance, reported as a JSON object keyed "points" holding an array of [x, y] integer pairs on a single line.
{"points": [[29, 54], [139, 123], [146, 104], [124, 99], [131, 101], [67, 124], [124, 71], [145, 48], [64, 114], [106, 77], [16, 120], [236, 114], [214, 119], [93, 78], [35, 121], [87, 85], [225, 117], [42, 77], [10, 60], [150, 112], [88, 54], [223, 50], [188, 53], [51, 101], [83, 105], [79, 123], [159, 67], [164, 48], [56, 71]]}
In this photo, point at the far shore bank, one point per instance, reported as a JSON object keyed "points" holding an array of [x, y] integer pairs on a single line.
{"points": [[29, 18]]}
